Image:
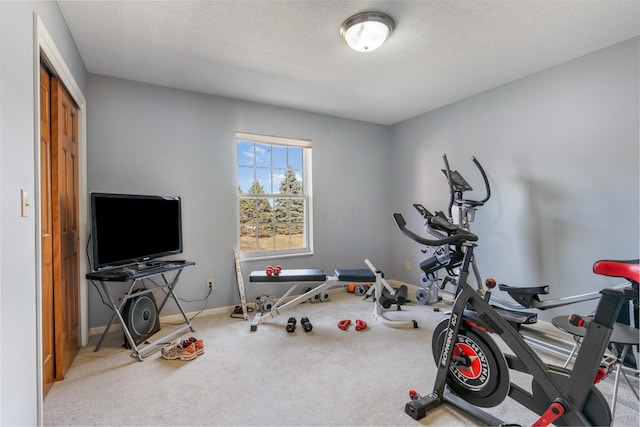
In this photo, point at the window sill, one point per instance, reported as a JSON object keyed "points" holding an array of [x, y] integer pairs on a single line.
{"points": [[273, 257]]}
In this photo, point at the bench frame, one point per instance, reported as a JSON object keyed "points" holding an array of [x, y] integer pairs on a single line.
{"points": [[280, 306]]}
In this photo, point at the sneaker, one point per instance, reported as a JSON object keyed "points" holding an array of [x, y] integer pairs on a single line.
{"points": [[198, 343], [183, 350]]}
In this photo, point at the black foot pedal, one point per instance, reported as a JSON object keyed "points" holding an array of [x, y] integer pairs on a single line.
{"points": [[291, 324], [306, 325]]}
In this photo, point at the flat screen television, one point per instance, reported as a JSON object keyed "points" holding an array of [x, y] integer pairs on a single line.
{"points": [[132, 228]]}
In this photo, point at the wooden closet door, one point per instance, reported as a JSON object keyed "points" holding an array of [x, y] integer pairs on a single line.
{"points": [[46, 236], [65, 222]]}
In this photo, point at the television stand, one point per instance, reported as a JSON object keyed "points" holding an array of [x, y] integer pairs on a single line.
{"points": [[170, 272]]}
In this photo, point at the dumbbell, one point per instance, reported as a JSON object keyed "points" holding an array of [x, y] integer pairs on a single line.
{"points": [[306, 325], [344, 324], [273, 271], [361, 325], [291, 324]]}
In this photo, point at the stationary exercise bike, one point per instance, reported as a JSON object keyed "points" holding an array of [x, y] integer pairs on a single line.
{"points": [[476, 372]]}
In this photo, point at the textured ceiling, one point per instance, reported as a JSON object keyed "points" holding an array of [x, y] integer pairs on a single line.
{"points": [[289, 53]]}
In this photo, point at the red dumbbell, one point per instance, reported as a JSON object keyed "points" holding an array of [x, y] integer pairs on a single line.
{"points": [[269, 271], [343, 324], [361, 325], [277, 270]]}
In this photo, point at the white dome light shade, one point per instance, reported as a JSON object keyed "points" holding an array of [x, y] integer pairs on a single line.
{"points": [[366, 31]]}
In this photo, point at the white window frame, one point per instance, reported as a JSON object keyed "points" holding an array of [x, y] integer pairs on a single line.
{"points": [[307, 195]]}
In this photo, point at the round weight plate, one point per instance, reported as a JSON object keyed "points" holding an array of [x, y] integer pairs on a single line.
{"points": [[422, 296], [483, 379], [309, 290]]}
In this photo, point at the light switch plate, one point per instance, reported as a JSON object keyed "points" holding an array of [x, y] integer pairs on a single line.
{"points": [[24, 197]]}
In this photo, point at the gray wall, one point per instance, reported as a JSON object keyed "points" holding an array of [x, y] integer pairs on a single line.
{"points": [[154, 140], [18, 333], [561, 151]]}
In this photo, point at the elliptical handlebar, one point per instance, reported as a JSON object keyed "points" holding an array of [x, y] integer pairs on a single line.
{"points": [[484, 177], [452, 191], [460, 235], [450, 181]]}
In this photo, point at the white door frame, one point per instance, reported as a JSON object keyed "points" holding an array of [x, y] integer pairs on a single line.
{"points": [[45, 46]]}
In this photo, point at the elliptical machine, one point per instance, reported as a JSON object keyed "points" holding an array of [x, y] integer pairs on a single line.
{"points": [[449, 257], [476, 372]]}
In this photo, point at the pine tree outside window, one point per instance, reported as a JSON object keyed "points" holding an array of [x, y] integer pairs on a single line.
{"points": [[274, 192]]}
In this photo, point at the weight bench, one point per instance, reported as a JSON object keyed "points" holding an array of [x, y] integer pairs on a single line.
{"points": [[295, 277], [342, 276]]}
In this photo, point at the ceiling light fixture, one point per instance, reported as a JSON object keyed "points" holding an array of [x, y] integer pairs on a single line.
{"points": [[366, 31]]}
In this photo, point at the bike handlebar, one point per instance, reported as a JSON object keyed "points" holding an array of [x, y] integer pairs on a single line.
{"points": [[460, 235]]}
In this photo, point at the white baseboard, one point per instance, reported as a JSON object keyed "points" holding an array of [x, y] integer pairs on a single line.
{"points": [[177, 318]]}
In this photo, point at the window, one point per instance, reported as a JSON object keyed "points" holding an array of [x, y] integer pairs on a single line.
{"points": [[274, 191]]}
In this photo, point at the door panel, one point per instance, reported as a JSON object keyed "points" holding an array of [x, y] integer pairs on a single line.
{"points": [[65, 223], [48, 341]]}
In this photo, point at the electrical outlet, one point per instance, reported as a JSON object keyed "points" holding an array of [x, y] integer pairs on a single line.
{"points": [[407, 265], [210, 284]]}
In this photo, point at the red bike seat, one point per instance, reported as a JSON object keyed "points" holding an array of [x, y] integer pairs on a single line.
{"points": [[629, 270]]}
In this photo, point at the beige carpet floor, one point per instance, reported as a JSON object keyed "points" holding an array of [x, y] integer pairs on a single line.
{"points": [[327, 377]]}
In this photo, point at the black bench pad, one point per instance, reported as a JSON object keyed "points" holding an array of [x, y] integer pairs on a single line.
{"points": [[362, 275], [300, 275]]}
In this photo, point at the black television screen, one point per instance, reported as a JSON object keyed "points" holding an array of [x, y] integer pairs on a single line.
{"points": [[130, 228]]}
